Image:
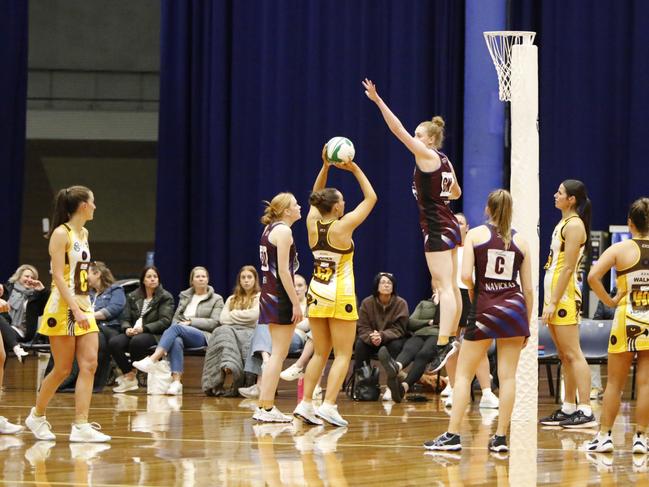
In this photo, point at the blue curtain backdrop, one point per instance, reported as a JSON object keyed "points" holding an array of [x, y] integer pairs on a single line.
{"points": [[13, 105], [250, 92], [594, 74]]}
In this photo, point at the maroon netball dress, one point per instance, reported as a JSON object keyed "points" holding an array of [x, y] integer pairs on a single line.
{"points": [[274, 303], [499, 309], [432, 190]]}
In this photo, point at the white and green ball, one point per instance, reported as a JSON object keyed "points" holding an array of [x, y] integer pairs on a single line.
{"points": [[340, 149]]}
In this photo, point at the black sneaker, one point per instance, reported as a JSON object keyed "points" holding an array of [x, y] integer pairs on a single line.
{"points": [[443, 354], [498, 443], [444, 442], [392, 371], [555, 418], [578, 419]]}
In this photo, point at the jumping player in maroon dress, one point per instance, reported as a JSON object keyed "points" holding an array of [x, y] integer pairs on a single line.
{"points": [[434, 184], [279, 305], [500, 310]]}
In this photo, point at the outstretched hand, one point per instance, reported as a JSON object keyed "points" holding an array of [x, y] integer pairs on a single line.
{"points": [[326, 162], [370, 90]]}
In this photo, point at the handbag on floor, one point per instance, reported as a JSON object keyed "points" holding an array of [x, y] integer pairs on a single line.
{"points": [[159, 380], [365, 384]]}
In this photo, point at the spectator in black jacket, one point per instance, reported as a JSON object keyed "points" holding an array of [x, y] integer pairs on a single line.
{"points": [[148, 313]]}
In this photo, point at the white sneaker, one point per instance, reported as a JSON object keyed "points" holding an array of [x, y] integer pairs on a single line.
{"points": [[640, 443], [87, 433], [175, 388], [126, 385], [38, 452], [317, 393], [272, 416], [39, 426], [251, 392], [447, 391], [294, 372], [448, 402], [7, 428], [329, 412], [145, 365], [489, 400], [20, 353], [601, 443], [387, 395], [306, 412]]}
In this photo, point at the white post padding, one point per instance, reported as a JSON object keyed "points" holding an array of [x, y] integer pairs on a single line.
{"points": [[524, 187]]}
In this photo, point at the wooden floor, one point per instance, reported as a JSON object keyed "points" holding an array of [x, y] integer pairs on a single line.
{"points": [[196, 440]]}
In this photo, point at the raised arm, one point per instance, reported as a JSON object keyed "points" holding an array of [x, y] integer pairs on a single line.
{"points": [[414, 145], [354, 218], [320, 183]]}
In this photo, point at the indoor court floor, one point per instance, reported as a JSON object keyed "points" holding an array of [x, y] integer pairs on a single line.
{"points": [[198, 440]]}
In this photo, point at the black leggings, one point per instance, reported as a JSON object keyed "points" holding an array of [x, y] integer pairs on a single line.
{"points": [[10, 337], [420, 350], [138, 346], [364, 352]]}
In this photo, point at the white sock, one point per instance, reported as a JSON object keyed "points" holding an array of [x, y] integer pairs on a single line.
{"points": [[587, 410], [568, 407]]}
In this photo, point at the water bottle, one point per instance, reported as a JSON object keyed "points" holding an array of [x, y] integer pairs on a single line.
{"points": [[300, 389]]}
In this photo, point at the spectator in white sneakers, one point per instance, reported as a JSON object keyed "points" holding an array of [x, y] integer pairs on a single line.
{"points": [[198, 312]]}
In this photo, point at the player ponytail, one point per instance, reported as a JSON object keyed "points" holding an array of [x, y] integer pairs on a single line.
{"points": [[499, 206], [583, 206], [275, 208], [324, 199], [66, 203], [639, 215]]}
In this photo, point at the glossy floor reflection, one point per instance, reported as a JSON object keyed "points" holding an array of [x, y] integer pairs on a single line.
{"points": [[196, 440]]}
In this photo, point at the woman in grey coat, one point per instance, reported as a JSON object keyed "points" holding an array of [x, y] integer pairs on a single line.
{"points": [[198, 313]]}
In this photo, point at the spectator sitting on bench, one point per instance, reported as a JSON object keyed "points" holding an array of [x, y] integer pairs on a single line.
{"points": [[382, 321], [260, 346], [227, 348], [147, 315], [198, 313], [23, 286]]}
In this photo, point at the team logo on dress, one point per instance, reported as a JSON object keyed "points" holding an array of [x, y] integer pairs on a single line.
{"points": [[349, 308], [84, 255], [51, 322], [613, 339], [562, 313], [76, 246]]}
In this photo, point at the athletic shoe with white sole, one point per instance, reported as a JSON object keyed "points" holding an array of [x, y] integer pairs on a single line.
{"points": [[444, 442], [329, 412], [444, 352], [87, 433], [251, 392], [640, 443], [145, 365], [272, 416], [39, 426], [448, 401], [175, 389], [447, 391], [555, 418], [7, 428], [126, 385], [294, 372], [306, 412], [489, 401], [602, 443], [498, 444], [579, 419], [317, 393]]}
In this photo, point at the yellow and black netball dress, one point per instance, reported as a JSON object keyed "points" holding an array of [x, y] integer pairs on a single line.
{"points": [[331, 291], [630, 330], [58, 319], [569, 306]]}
